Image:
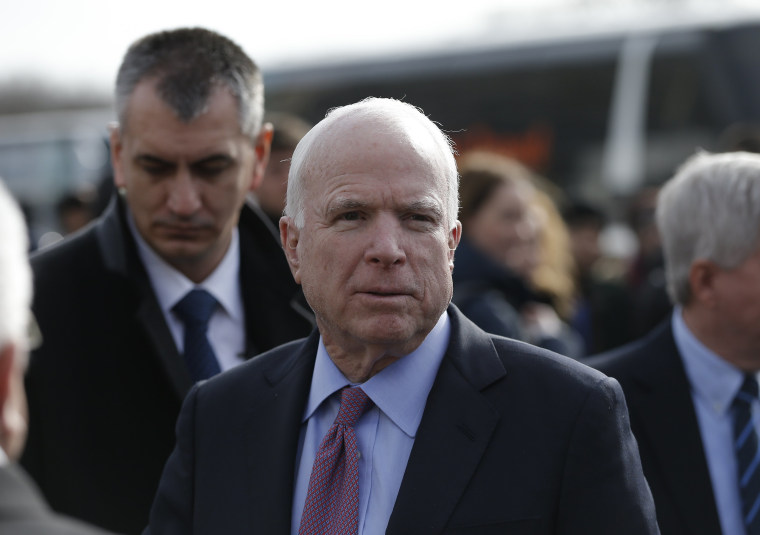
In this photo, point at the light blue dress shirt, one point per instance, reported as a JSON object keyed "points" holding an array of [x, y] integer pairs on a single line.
{"points": [[714, 384], [385, 433]]}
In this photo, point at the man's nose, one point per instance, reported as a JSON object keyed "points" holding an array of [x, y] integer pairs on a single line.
{"points": [[385, 245], [184, 197]]}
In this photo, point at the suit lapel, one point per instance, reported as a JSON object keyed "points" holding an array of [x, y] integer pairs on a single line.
{"points": [[152, 319], [669, 423], [456, 428], [120, 257], [272, 431]]}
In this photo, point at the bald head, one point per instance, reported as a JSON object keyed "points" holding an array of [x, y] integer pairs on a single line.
{"points": [[357, 127]]}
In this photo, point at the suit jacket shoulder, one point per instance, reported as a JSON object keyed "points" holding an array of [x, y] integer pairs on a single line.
{"points": [[665, 424], [23, 511], [512, 438], [533, 440]]}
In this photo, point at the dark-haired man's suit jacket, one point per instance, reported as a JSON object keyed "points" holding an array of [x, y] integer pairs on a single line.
{"points": [[24, 512], [513, 439], [106, 386], [664, 422]]}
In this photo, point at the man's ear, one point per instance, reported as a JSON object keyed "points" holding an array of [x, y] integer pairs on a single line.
{"points": [[114, 139], [455, 234], [262, 148], [12, 401], [702, 275], [289, 235], [7, 360]]}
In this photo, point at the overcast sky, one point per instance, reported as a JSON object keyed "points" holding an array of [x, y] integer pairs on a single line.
{"points": [[81, 42], [84, 40]]}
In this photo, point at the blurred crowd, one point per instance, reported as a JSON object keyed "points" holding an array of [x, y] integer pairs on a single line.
{"points": [[118, 293], [533, 263]]}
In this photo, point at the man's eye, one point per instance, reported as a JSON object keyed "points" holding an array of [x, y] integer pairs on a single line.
{"points": [[211, 170], [350, 216], [421, 218], [156, 169]]}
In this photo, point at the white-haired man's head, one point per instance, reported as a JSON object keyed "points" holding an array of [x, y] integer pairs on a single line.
{"points": [[15, 300], [710, 210], [15, 274], [408, 121]]}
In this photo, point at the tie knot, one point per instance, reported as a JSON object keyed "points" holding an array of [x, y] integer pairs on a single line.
{"points": [[196, 307], [353, 403], [748, 392]]}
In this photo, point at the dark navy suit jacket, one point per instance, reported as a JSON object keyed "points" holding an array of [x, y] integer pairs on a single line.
{"points": [[665, 424], [106, 385], [24, 512], [514, 439]]}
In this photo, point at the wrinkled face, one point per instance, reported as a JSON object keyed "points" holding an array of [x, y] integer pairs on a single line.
{"points": [[737, 302], [186, 182], [504, 224], [375, 254]]}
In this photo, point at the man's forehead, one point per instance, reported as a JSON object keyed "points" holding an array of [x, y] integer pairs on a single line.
{"points": [[356, 140], [147, 95]]}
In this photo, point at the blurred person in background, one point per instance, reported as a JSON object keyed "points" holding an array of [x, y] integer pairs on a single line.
{"points": [[602, 305], [552, 276], [179, 279], [23, 511], [501, 252], [288, 129], [691, 384], [74, 211], [646, 274]]}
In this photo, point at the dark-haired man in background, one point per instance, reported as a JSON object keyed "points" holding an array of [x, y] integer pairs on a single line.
{"points": [[179, 279]]}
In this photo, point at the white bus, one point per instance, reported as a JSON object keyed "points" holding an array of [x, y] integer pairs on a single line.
{"points": [[600, 106]]}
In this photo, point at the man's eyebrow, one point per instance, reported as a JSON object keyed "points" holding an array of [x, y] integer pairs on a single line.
{"points": [[150, 159], [425, 205], [213, 158], [342, 204]]}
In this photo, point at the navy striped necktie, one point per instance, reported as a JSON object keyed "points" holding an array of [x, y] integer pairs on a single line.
{"points": [[195, 310], [747, 454]]}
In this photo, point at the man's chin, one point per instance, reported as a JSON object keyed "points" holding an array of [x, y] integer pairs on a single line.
{"points": [[387, 330], [180, 251]]}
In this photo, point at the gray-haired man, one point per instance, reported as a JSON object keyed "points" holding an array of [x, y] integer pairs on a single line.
{"points": [[691, 384]]}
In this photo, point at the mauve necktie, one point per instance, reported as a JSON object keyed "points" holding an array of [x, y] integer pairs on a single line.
{"points": [[332, 501], [747, 455], [195, 310]]}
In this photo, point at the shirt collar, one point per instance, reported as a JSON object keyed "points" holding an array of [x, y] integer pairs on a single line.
{"points": [[711, 377], [170, 285], [400, 390]]}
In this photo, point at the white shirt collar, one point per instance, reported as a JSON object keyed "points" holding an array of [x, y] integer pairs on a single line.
{"points": [[170, 285]]}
